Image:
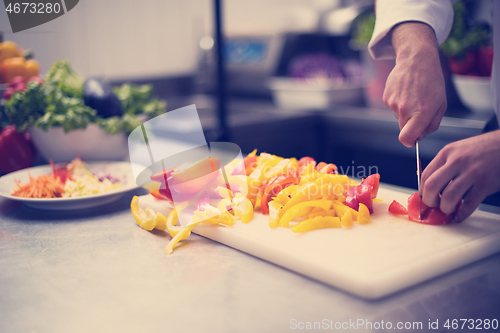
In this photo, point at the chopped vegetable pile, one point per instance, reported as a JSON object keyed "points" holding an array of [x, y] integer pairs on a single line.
{"points": [[302, 195], [62, 101], [71, 180]]}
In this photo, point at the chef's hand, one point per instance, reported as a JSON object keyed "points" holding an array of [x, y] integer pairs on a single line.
{"points": [[415, 88], [471, 165]]}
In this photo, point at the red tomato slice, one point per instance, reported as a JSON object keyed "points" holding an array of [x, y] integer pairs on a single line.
{"points": [[372, 181], [363, 193], [396, 208], [430, 215]]}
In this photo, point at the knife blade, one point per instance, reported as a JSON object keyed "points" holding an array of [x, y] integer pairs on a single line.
{"points": [[418, 181]]}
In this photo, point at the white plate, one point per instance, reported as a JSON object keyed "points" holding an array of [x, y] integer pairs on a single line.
{"points": [[8, 181]]}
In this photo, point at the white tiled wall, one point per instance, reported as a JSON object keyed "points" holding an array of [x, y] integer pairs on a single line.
{"points": [[123, 39]]}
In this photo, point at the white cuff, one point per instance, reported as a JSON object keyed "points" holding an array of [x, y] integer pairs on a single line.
{"points": [[438, 14]]}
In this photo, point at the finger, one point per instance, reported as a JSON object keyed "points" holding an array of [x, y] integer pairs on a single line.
{"points": [[434, 124], [432, 167], [454, 192], [470, 204], [412, 130], [435, 183]]}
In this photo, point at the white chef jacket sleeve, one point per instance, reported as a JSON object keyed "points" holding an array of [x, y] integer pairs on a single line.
{"points": [[436, 13]]}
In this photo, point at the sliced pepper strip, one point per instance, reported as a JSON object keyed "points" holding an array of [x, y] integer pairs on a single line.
{"points": [[319, 222], [346, 219], [364, 214], [274, 209], [310, 191], [183, 234], [144, 218], [330, 212], [340, 209], [301, 209]]}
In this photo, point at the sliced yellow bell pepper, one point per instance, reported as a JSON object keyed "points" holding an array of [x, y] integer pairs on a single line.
{"points": [[340, 209], [339, 184], [319, 222], [183, 234], [310, 191], [224, 192], [281, 198], [364, 215], [264, 166], [309, 176], [144, 218], [274, 209], [215, 215], [240, 207], [301, 209], [280, 168], [172, 218], [161, 222], [243, 209], [250, 186], [294, 164], [209, 215], [346, 219], [330, 212]]}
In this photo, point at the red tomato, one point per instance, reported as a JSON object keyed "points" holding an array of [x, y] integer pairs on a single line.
{"points": [[485, 60], [463, 65], [430, 215], [396, 208], [363, 193]]}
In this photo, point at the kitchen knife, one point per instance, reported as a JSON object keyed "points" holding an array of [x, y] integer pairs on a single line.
{"points": [[418, 182]]}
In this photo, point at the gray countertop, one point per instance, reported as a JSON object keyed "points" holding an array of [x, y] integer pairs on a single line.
{"points": [[97, 271]]}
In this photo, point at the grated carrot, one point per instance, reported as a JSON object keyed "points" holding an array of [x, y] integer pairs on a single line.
{"points": [[43, 186]]}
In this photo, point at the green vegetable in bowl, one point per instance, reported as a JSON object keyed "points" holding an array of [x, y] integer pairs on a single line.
{"points": [[60, 102], [98, 94]]}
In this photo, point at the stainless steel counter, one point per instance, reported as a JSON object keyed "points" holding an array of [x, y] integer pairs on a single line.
{"points": [[97, 271]]}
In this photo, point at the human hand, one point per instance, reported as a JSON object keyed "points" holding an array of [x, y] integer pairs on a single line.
{"points": [[415, 88], [471, 165]]}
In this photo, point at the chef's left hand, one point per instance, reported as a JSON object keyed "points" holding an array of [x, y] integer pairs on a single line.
{"points": [[471, 165]]}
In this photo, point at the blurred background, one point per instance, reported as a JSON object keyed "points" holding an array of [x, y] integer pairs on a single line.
{"points": [[299, 81]]}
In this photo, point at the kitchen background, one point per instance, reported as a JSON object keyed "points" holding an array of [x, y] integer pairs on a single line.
{"points": [[170, 44]]}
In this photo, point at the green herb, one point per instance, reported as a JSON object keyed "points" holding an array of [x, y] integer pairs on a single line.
{"points": [[364, 30], [23, 109], [462, 37]]}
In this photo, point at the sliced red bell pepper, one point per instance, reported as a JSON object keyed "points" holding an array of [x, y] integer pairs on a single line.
{"points": [[363, 193], [430, 215], [16, 150], [323, 167], [304, 161]]}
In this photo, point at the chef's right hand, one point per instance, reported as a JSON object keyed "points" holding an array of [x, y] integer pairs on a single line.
{"points": [[415, 88]]}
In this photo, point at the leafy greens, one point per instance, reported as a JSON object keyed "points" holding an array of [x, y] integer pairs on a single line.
{"points": [[59, 102]]}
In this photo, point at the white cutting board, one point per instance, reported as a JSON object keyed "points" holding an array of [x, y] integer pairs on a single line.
{"points": [[371, 261]]}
